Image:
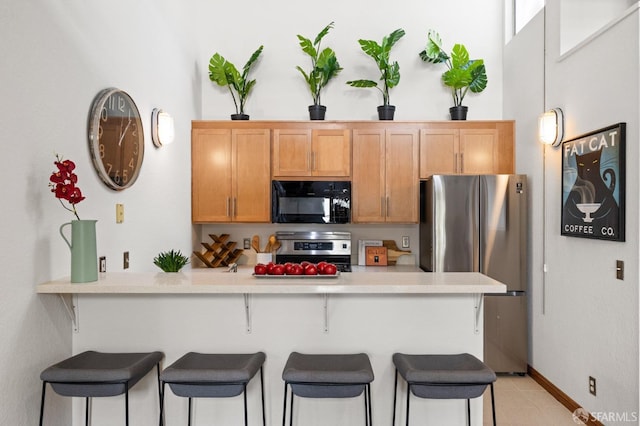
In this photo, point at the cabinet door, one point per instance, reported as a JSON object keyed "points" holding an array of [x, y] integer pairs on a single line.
{"points": [[402, 182], [478, 149], [291, 152], [368, 180], [438, 152], [211, 175], [331, 153], [252, 175]]}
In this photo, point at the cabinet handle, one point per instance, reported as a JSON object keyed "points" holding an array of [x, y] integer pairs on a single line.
{"points": [[234, 210], [228, 207], [462, 163], [456, 164], [387, 207]]}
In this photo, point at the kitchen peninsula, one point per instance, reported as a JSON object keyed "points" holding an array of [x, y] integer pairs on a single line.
{"points": [[374, 310]]}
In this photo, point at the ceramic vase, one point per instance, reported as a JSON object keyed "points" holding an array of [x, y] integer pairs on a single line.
{"points": [[84, 258]]}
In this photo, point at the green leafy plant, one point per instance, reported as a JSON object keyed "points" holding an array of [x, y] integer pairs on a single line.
{"points": [[389, 71], [324, 64], [170, 261], [224, 73], [463, 74]]}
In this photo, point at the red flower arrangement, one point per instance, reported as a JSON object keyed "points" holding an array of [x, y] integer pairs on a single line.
{"points": [[63, 184]]}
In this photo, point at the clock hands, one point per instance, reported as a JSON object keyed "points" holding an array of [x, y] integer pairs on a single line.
{"points": [[124, 133]]}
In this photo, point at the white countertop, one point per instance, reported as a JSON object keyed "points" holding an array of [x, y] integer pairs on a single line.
{"points": [[369, 280]]}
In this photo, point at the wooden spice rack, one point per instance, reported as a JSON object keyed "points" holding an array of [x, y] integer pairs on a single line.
{"points": [[220, 253]]}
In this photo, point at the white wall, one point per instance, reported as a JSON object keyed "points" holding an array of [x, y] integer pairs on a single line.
{"points": [[281, 93], [56, 58], [589, 326]]}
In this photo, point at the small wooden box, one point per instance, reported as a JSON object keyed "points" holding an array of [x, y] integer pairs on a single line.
{"points": [[376, 256]]}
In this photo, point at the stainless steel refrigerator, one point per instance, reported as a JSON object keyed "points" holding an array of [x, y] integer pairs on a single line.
{"points": [[479, 223]]}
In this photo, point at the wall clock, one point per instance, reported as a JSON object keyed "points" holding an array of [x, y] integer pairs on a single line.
{"points": [[116, 138]]}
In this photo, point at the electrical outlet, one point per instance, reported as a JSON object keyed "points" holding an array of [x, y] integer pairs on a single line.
{"points": [[592, 385], [119, 213], [405, 242], [125, 260], [620, 269], [103, 264], [247, 243]]}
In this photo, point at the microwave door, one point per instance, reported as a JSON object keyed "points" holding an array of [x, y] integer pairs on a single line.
{"points": [[303, 209]]}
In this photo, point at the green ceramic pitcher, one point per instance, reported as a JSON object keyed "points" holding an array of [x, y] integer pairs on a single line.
{"points": [[84, 257]]}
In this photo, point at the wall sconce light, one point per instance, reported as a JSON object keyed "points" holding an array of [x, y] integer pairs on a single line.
{"points": [[551, 127], [162, 128]]}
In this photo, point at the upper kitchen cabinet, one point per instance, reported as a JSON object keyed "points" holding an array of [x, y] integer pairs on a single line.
{"points": [[230, 175], [385, 175], [467, 147], [311, 153]]}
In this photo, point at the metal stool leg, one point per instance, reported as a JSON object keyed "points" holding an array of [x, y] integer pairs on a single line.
{"points": [[264, 421], [468, 413], [291, 412], [370, 403], [87, 402], [284, 410], [189, 415], [408, 395], [161, 387], [126, 404], [44, 389], [244, 391], [395, 391], [493, 405], [159, 394]]}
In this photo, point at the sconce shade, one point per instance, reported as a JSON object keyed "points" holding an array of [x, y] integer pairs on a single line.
{"points": [[551, 127], [162, 128]]}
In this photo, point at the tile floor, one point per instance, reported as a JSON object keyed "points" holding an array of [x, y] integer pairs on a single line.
{"points": [[520, 401]]}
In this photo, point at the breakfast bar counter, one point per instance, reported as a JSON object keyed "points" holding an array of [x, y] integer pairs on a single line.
{"points": [[375, 310], [362, 280]]}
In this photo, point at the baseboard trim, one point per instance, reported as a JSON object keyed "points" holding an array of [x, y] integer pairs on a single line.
{"points": [[562, 397]]}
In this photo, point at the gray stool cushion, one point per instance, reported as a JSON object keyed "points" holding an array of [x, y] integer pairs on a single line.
{"points": [[328, 376], [460, 376], [197, 375], [95, 374]]}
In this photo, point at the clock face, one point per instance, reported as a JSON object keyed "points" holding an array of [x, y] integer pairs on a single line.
{"points": [[116, 138]]}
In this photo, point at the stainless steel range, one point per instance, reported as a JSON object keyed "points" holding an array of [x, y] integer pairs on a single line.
{"points": [[333, 247]]}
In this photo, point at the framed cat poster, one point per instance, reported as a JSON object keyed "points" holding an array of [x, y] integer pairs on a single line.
{"points": [[593, 184]]}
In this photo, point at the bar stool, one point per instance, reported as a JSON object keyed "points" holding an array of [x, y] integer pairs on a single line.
{"points": [[461, 376], [328, 376], [97, 374], [197, 375]]}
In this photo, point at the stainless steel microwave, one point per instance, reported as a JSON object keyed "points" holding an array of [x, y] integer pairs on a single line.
{"points": [[310, 201]]}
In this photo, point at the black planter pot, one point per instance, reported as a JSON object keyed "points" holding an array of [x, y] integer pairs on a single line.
{"points": [[239, 116], [458, 112], [385, 112], [316, 112]]}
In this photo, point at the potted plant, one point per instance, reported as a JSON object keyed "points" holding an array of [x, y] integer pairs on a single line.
{"points": [[463, 74], [170, 261], [324, 66], [389, 71], [224, 73]]}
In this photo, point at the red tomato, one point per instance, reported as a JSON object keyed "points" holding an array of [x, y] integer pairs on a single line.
{"points": [[269, 268], [296, 269], [277, 270], [321, 266], [311, 269], [330, 269], [304, 263], [287, 268], [260, 269]]}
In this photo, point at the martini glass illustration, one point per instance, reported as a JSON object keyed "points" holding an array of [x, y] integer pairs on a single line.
{"points": [[587, 209]]}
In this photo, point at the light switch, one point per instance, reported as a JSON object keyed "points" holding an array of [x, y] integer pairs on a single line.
{"points": [[119, 213]]}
